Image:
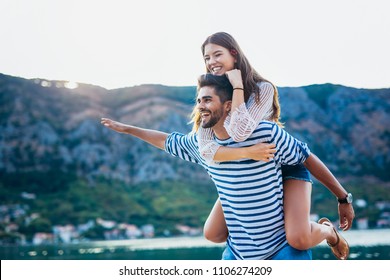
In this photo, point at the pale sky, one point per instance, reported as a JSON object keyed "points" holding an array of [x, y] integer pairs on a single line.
{"points": [[120, 43]]}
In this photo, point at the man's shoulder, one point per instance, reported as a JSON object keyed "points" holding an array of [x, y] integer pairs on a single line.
{"points": [[188, 142], [267, 124], [192, 136], [264, 128]]}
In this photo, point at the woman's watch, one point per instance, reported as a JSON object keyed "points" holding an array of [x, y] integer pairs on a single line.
{"points": [[348, 199]]}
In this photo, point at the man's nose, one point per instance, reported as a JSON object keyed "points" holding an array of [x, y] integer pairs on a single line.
{"points": [[201, 106]]}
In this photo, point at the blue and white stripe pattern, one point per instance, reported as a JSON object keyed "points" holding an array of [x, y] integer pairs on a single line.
{"points": [[251, 192]]}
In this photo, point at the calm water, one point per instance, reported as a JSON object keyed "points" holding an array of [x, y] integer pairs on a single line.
{"points": [[212, 253], [365, 245]]}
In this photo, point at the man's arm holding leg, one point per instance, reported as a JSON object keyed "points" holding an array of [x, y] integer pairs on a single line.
{"points": [[153, 137]]}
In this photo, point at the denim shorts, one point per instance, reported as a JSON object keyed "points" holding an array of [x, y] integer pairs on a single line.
{"points": [[286, 253], [296, 172]]}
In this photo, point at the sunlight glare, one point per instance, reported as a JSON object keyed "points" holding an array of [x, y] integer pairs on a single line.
{"points": [[71, 85]]}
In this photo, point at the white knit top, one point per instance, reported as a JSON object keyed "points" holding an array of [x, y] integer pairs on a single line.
{"points": [[241, 123]]}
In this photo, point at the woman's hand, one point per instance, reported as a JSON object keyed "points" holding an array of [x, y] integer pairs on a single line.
{"points": [[260, 151], [235, 78]]}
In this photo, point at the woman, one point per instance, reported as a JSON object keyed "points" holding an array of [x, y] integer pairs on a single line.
{"points": [[256, 99]]}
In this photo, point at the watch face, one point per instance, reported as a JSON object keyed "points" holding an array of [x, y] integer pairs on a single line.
{"points": [[349, 198]]}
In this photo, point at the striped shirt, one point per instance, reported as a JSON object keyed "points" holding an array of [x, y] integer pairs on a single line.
{"points": [[251, 192]]}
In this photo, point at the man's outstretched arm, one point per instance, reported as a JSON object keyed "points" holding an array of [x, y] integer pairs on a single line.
{"points": [[153, 137]]}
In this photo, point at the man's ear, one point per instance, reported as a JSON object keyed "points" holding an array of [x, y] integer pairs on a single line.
{"points": [[228, 105]]}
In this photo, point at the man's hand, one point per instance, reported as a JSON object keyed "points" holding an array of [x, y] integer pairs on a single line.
{"points": [[346, 216], [114, 125], [260, 152]]}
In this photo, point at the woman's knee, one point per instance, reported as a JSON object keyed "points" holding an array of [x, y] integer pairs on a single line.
{"points": [[214, 236], [215, 229], [299, 240]]}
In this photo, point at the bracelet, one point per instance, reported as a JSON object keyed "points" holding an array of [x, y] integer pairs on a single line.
{"points": [[238, 88]]}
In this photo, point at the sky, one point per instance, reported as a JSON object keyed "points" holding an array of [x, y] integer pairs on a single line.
{"points": [[121, 43]]}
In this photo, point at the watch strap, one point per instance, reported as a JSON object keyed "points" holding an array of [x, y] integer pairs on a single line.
{"points": [[346, 199], [342, 200]]}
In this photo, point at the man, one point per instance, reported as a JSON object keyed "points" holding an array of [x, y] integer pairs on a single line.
{"points": [[250, 191]]}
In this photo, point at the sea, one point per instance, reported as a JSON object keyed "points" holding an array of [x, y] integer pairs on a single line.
{"points": [[364, 245]]}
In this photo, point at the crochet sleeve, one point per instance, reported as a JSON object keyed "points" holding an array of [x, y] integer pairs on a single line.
{"points": [[207, 145], [244, 120]]}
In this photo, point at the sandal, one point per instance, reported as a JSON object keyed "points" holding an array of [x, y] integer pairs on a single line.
{"points": [[340, 249]]}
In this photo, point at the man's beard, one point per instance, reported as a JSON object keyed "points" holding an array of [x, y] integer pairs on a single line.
{"points": [[214, 119]]}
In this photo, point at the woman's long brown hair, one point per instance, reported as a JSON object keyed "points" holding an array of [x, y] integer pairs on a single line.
{"points": [[250, 77]]}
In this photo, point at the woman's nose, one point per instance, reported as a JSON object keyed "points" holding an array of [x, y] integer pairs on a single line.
{"points": [[211, 61]]}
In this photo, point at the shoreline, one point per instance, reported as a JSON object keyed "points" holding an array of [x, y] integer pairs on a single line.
{"points": [[365, 238]]}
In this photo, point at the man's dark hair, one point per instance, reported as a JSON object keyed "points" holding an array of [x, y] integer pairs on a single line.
{"points": [[221, 85]]}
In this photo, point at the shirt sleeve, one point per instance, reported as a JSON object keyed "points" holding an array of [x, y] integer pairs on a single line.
{"points": [[289, 150], [184, 146], [245, 119], [207, 145]]}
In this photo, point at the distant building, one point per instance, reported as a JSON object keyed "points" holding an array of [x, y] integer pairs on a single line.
{"points": [[113, 234], [26, 195], [65, 233], [362, 223], [132, 231], [383, 205], [189, 231], [12, 227], [361, 203], [384, 220], [85, 227], [106, 223], [43, 238], [148, 231]]}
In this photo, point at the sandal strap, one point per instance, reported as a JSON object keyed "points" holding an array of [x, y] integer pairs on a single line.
{"points": [[338, 239]]}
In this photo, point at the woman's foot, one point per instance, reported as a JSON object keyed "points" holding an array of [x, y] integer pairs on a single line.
{"points": [[340, 248]]}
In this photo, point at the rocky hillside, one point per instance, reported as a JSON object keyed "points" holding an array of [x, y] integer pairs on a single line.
{"points": [[45, 125], [347, 127]]}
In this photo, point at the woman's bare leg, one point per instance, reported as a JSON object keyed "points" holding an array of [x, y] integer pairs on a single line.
{"points": [[215, 229], [302, 233]]}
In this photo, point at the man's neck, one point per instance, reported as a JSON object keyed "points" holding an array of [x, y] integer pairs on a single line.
{"points": [[220, 132]]}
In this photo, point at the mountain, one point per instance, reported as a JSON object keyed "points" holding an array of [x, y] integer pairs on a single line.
{"points": [[45, 125], [51, 137], [347, 127]]}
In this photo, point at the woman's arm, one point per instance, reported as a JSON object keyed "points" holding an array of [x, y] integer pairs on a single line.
{"points": [[259, 152], [243, 121], [212, 151], [235, 79], [319, 170]]}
